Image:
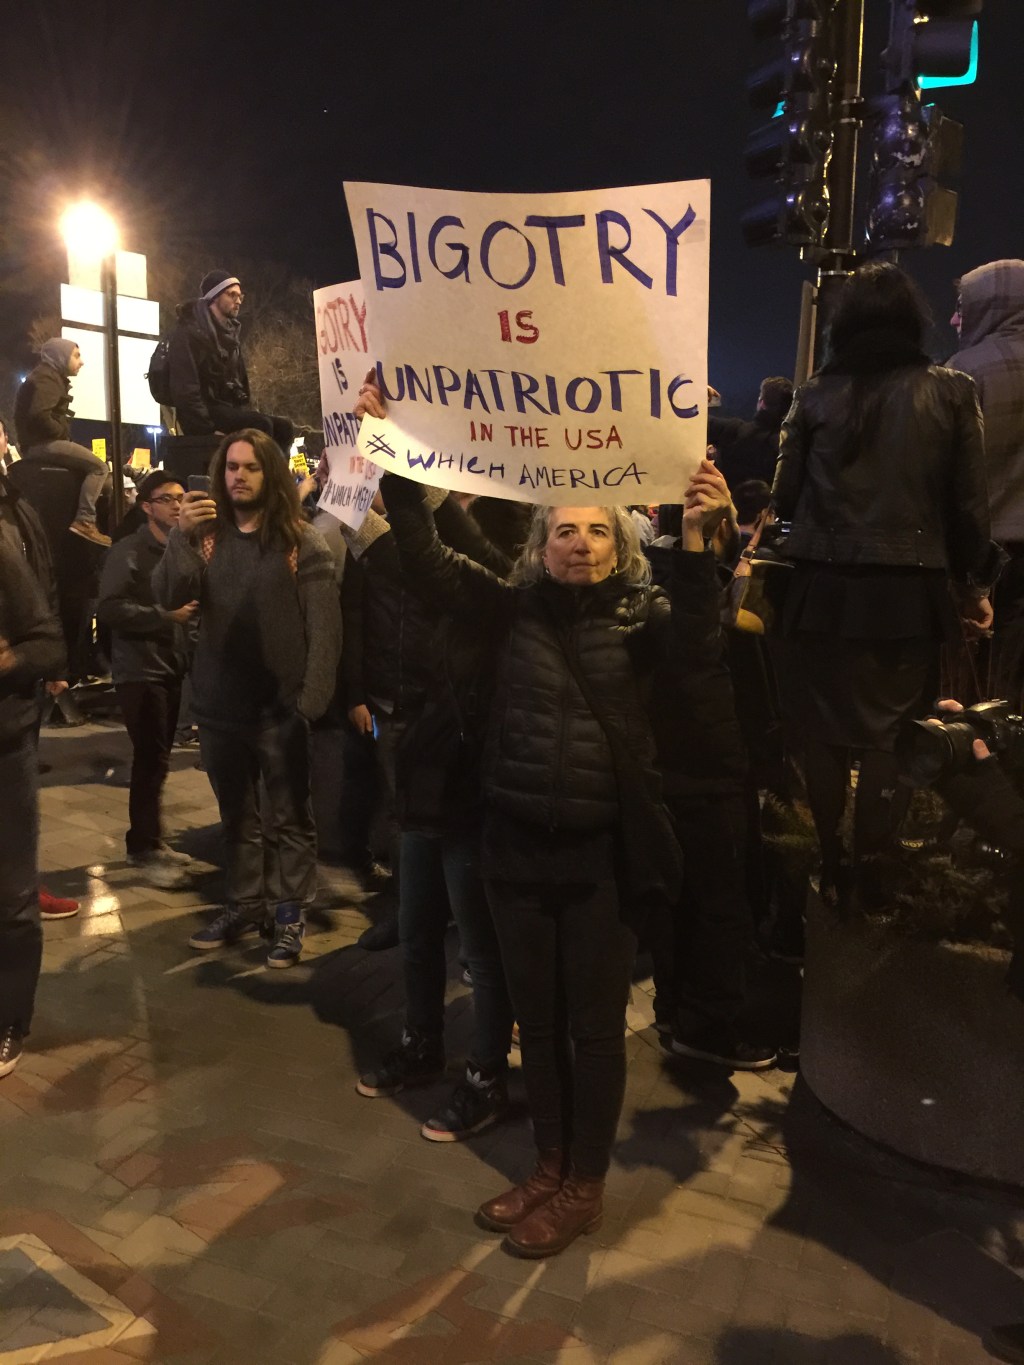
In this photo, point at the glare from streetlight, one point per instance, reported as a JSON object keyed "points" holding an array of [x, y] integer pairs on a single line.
{"points": [[89, 231]]}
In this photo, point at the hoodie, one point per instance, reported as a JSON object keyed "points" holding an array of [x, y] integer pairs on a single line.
{"points": [[992, 353]]}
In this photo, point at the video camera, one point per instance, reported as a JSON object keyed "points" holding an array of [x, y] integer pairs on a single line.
{"points": [[929, 751]]}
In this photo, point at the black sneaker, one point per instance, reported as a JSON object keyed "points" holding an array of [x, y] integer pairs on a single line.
{"points": [[10, 1048], [475, 1103], [232, 925], [417, 1060], [718, 1044], [379, 936]]}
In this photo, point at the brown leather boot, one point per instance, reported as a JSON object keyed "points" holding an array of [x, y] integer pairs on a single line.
{"points": [[510, 1208], [576, 1208]]}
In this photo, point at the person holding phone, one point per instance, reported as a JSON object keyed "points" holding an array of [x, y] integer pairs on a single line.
{"points": [[265, 667]]}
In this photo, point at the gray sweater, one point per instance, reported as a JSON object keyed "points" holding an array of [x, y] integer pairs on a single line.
{"points": [[269, 636]]}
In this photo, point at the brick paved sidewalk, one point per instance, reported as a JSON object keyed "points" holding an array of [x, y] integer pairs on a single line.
{"points": [[187, 1174]]}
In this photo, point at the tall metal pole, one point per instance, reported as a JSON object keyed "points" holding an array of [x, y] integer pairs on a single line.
{"points": [[841, 258], [109, 273]]}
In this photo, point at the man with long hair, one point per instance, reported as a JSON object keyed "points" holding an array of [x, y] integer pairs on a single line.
{"points": [[265, 667]]}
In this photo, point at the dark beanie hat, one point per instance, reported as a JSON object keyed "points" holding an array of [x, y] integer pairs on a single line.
{"points": [[214, 283], [153, 482]]}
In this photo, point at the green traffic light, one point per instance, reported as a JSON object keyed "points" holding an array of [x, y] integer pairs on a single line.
{"points": [[969, 76]]}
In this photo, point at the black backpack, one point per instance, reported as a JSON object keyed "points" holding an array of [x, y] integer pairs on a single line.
{"points": [[159, 373]]}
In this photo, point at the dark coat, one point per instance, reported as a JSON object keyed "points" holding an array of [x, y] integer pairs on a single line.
{"points": [[22, 530], [691, 703], [42, 409], [34, 636], [206, 367], [914, 494], [547, 759], [147, 646], [746, 450], [992, 353]]}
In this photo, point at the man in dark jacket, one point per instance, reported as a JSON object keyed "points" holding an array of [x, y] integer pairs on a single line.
{"points": [[990, 321], [30, 649], [209, 383], [149, 656], [42, 415], [749, 450], [265, 667]]}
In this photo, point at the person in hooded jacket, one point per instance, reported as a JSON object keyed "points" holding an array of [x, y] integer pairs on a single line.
{"points": [[42, 416], [882, 475], [990, 321], [208, 379], [575, 839]]}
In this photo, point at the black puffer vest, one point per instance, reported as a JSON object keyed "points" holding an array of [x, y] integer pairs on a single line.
{"points": [[547, 761]]}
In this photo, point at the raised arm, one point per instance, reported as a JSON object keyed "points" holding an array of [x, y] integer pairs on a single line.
{"points": [[448, 581]]}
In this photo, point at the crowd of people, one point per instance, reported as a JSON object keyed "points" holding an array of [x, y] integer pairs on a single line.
{"points": [[573, 743]]}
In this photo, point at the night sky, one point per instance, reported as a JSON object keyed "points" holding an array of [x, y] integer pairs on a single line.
{"points": [[222, 131]]}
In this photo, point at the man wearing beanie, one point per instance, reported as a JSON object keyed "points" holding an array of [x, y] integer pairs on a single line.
{"points": [[42, 417], [209, 384]]}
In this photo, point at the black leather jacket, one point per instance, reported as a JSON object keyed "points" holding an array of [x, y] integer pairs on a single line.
{"points": [[915, 492]]}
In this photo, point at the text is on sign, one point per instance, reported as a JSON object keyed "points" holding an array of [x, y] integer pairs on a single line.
{"points": [[538, 346]]}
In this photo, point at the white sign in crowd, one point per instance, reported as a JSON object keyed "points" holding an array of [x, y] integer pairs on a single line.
{"points": [[542, 347], [343, 353]]}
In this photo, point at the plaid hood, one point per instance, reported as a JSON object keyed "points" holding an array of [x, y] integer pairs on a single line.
{"points": [[992, 302]]}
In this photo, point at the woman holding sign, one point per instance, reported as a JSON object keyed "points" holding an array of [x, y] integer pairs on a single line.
{"points": [[576, 841]]}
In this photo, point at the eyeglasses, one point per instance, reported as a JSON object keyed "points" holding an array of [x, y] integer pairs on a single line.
{"points": [[169, 497], [236, 295]]}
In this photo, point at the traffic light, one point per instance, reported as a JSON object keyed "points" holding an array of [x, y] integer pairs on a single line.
{"points": [[792, 150], [915, 148], [932, 43]]}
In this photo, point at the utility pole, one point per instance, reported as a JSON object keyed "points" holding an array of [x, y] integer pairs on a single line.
{"points": [[840, 259]]}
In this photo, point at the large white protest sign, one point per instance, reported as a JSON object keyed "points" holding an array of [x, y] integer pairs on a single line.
{"points": [[343, 354], [538, 346]]}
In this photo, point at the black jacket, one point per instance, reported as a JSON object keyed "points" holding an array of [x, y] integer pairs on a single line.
{"points": [[914, 493], [22, 530], [392, 652], [691, 703], [42, 409], [206, 367], [547, 760], [147, 646], [34, 636], [746, 450]]}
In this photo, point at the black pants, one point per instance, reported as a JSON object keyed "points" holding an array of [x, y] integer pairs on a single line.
{"points": [[569, 961], [260, 777], [878, 808], [150, 711], [21, 937], [230, 419], [700, 956]]}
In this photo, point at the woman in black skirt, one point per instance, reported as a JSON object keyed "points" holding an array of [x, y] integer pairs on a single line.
{"points": [[881, 472]]}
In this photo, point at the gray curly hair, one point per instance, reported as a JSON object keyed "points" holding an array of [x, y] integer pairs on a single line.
{"points": [[631, 562]]}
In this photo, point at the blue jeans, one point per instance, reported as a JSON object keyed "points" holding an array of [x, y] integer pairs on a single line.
{"points": [[438, 871]]}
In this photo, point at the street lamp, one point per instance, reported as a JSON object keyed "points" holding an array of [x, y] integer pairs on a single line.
{"points": [[91, 234]]}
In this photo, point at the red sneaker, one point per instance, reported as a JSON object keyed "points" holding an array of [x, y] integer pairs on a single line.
{"points": [[55, 907]]}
